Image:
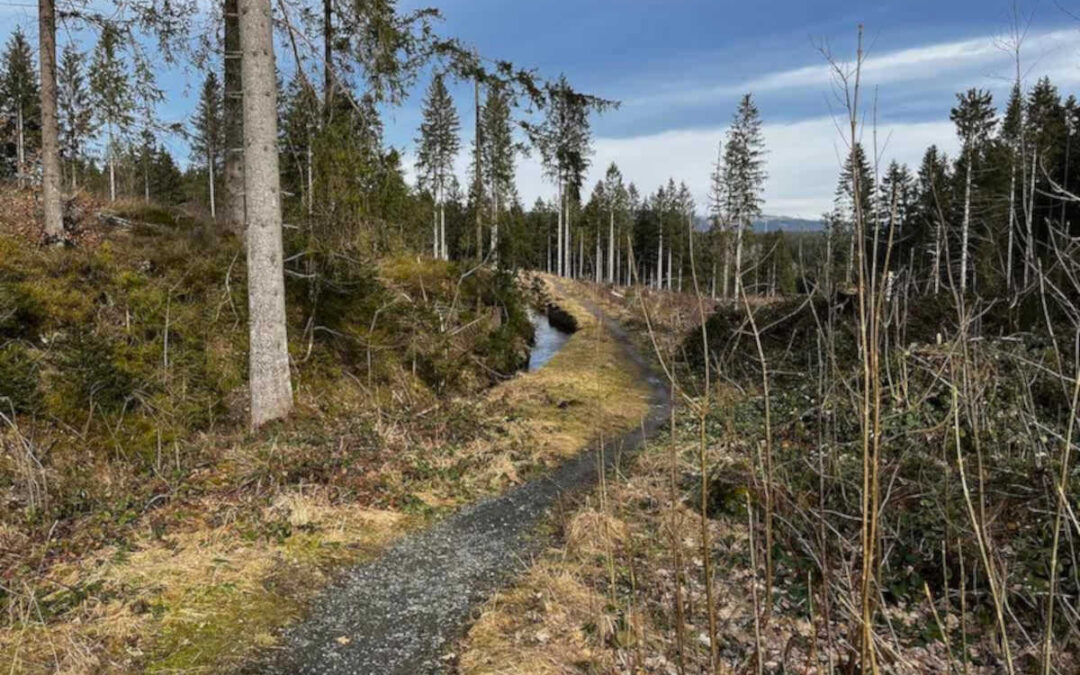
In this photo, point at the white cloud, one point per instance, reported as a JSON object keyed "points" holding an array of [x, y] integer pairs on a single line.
{"points": [[966, 62], [803, 160]]}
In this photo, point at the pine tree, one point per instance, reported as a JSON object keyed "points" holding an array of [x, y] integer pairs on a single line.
{"points": [[438, 146], [111, 91], [498, 151], [744, 175], [21, 98], [77, 122], [208, 135], [974, 117]]}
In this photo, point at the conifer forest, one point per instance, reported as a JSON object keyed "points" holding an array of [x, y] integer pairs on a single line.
{"points": [[489, 338]]}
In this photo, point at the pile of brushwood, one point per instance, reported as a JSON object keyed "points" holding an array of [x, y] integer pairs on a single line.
{"points": [[975, 414], [123, 368]]}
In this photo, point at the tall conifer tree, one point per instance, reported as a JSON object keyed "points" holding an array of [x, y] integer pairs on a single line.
{"points": [[438, 146]]}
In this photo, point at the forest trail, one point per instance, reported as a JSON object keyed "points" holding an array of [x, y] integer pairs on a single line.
{"points": [[403, 612]]}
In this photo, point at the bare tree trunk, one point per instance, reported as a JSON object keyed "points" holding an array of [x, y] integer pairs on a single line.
{"points": [[568, 248], [20, 145], [233, 216], [669, 266], [559, 236], [213, 207], [435, 234], [478, 140], [581, 256], [1029, 251], [310, 177], [444, 252], [611, 249], [726, 271], [738, 260], [598, 262], [966, 225], [271, 390], [658, 282], [1012, 225], [936, 272], [494, 225], [328, 59], [112, 166], [50, 132], [569, 243]]}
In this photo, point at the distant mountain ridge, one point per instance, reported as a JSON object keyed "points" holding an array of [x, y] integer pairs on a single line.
{"points": [[769, 223], [787, 224]]}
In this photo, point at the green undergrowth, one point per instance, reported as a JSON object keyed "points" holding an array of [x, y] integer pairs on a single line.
{"points": [[123, 370], [1013, 413]]}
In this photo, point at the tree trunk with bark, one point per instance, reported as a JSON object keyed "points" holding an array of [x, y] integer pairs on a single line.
{"points": [[233, 113], [271, 389], [50, 130]]}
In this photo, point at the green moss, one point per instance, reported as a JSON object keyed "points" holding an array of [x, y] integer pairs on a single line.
{"points": [[19, 390], [219, 626]]}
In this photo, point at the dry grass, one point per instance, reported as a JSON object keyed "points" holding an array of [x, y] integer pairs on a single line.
{"points": [[547, 625], [588, 389], [209, 580], [195, 601]]}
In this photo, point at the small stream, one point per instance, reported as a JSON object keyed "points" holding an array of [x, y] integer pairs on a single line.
{"points": [[548, 340]]}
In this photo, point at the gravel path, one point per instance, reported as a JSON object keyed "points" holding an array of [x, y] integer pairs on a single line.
{"points": [[401, 614]]}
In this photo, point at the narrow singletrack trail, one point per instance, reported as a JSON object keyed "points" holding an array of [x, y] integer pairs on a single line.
{"points": [[401, 613]]}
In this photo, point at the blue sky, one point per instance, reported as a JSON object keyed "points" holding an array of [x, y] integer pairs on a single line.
{"points": [[679, 66]]}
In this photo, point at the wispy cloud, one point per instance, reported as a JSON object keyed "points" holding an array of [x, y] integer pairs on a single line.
{"points": [[970, 62]]}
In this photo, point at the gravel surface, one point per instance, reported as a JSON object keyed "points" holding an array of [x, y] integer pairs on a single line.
{"points": [[403, 613]]}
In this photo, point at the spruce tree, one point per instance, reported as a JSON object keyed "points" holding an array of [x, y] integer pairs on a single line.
{"points": [[438, 146], [112, 96], [616, 203], [1012, 130], [744, 175], [1044, 135], [300, 117], [933, 203], [77, 122], [856, 176], [974, 117], [21, 99], [208, 134], [897, 201], [563, 139], [498, 151]]}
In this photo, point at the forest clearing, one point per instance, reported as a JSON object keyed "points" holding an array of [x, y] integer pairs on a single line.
{"points": [[382, 338]]}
